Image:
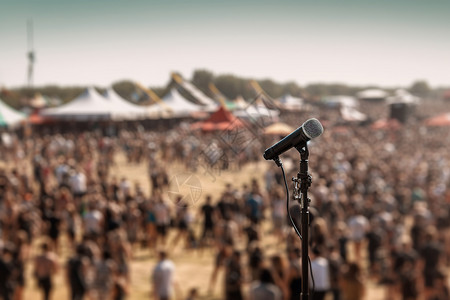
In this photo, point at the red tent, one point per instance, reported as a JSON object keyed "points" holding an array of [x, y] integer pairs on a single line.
{"points": [[387, 124], [222, 119], [439, 120]]}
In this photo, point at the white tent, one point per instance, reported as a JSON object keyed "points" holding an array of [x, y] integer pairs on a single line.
{"points": [[122, 109], [291, 103], [254, 112], [199, 95], [404, 97], [372, 94], [240, 102], [9, 117], [176, 105], [351, 114], [90, 105]]}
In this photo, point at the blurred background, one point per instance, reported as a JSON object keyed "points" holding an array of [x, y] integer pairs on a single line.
{"points": [[132, 135]]}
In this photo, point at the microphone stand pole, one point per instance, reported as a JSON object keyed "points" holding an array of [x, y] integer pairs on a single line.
{"points": [[301, 185]]}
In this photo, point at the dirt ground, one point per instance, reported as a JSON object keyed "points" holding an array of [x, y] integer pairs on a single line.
{"points": [[193, 269]]}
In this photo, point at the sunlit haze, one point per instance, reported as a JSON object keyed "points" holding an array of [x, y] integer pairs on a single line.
{"points": [[387, 43]]}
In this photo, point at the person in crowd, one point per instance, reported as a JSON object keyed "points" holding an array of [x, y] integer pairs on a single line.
{"points": [[20, 258], [374, 240], [265, 289], [163, 278], [335, 267], [294, 274], [409, 280], [234, 277], [431, 256], [77, 269], [193, 294], [93, 220], [278, 210], [358, 226], [223, 253], [105, 270], [254, 205], [440, 289], [353, 287], [45, 267], [321, 272], [183, 220], [162, 219], [208, 212], [7, 283], [279, 273]]}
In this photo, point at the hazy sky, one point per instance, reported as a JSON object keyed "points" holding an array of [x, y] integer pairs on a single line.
{"points": [[381, 42]]}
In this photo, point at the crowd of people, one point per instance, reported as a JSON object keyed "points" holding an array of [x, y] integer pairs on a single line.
{"points": [[380, 204]]}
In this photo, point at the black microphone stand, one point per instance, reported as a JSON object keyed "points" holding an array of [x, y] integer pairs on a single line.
{"points": [[301, 185]]}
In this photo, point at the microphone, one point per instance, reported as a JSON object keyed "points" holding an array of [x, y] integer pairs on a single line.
{"points": [[308, 131]]}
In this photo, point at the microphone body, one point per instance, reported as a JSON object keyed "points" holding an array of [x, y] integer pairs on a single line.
{"points": [[309, 130]]}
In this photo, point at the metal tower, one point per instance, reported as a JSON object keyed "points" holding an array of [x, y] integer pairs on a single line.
{"points": [[30, 52]]}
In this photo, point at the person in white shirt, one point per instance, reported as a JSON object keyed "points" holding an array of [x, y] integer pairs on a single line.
{"points": [[93, 220], [265, 289], [321, 272], [162, 219], [78, 183], [358, 225], [163, 278]]}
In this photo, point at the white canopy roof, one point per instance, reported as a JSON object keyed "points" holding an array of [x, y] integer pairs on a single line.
{"points": [[176, 105], [291, 102], [351, 114], [199, 95], [372, 94], [240, 102], [403, 96], [122, 109], [256, 112], [87, 106], [9, 116]]}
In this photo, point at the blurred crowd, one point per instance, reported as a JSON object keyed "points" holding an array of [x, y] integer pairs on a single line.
{"points": [[380, 215]]}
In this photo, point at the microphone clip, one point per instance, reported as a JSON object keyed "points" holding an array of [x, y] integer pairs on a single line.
{"points": [[277, 160]]}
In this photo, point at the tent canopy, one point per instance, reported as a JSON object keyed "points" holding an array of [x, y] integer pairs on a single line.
{"points": [[255, 112], [386, 124], [278, 129], [372, 94], [198, 95], [240, 102], [222, 119], [291, 103], [177, 105], [122, 109], [89, 105], [351, 114], [404, 97], [9, 117], [439, 120]]}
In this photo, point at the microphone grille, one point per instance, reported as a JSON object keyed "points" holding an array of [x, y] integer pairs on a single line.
{"points": [[312, 128]]}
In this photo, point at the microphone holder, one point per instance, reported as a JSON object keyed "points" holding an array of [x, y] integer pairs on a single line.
{"points": [[301, 186]]}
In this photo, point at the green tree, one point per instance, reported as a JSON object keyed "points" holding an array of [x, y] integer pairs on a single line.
{"points": [[202, 79], [420, 88]]}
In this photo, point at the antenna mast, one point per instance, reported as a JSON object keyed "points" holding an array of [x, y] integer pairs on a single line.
{"points": [[30, 52]]}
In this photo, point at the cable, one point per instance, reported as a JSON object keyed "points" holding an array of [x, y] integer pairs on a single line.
{"points": [[287, 201], [312, 277], [278, 162]]}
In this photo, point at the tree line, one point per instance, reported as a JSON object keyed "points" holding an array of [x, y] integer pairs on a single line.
{"points": [[230, 86]]}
